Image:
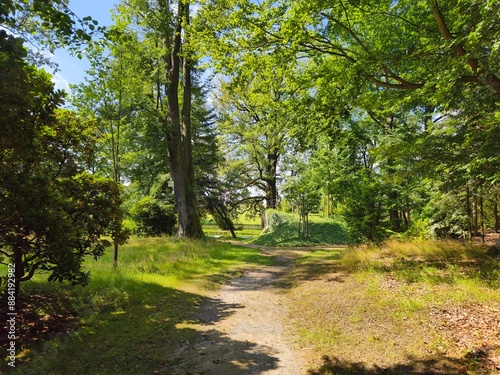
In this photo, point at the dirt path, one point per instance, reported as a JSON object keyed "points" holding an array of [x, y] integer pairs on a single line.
{"points": [[241, 329]]}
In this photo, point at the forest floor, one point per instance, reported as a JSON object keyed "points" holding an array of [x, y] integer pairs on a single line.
{"points": [[242, 329], [316, 318], [292, 311]]}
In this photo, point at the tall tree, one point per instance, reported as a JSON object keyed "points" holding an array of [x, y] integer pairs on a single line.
{"points": [[258, 107], [111, 95], [53, 212], [163, 33]]}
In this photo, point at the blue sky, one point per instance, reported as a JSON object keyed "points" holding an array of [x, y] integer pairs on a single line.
{"points": [[72, 69]]}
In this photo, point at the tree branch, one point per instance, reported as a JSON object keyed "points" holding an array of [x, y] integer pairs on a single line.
{"points": [[491, 80], [399, 86]]}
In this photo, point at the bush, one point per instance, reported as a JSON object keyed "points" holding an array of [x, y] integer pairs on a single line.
{"points": [[275, 219], [283, 230], [154, 218]]}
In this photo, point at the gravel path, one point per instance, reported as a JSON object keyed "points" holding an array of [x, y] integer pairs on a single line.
{"points": [[241, 329]]}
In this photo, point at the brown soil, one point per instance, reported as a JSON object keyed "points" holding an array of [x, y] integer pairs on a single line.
{"points": [[39, 318]]}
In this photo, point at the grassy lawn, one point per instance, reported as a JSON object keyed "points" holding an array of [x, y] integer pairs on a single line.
{"points": [[402, 308], [244, 232], [284, 231], [128, 320], [246, 228]]}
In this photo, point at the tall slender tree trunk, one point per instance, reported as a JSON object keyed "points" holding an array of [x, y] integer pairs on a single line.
{"points": [[117, 171], [495, 213], [393, 211], [475, 217], [469, 213], [271, 171], [481, 210], [408, 213], [179, 135], [393, 193]]}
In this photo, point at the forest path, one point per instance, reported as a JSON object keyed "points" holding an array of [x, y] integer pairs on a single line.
{"points": [[240, 330]]}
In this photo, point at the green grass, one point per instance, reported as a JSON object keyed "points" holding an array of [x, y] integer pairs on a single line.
{"points": [[246, 227], [283, 231], [385, 301], [243, 231], [131, 319], [431, 262]]}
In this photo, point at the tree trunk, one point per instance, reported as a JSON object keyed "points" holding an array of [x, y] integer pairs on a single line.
{"points": [[263, 220], [408, 213], [475, 217], [116, 167], [495, 213], [393, 211], [271, 183], [222, 213], [393, 194], [179, 136], [481, 209], [189, 224], [469, 213]]}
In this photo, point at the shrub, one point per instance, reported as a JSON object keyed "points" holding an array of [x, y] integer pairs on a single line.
{"points": [[154, 218]]}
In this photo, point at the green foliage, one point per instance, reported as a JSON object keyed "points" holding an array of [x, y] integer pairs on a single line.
{"points": [[154, 218], [52, 211], [275, 220], [48, 24], [395, 104], [283, 231]]}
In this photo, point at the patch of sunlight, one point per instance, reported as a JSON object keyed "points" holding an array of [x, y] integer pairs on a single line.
{"points": [[166, 281], [239, 364], [183, 325], [118, 312]]}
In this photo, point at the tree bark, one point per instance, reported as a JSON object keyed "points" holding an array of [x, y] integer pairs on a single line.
{"points": [[271, 183], [179, 136], [475, 217], [394, 211], [469, 213], [495, 213], [481, 209]]}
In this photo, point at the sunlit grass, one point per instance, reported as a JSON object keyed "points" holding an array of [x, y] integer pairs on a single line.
{"points": [[284, 231], [433, 262], [243, 232], [128, 318], [382, 300]]}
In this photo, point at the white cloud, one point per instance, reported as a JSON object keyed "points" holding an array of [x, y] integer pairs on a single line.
{"points": [[60, 82]]}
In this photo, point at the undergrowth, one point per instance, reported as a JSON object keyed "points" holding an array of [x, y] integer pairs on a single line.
{"points": [[426, 307], [433, 262], [284, 231]]}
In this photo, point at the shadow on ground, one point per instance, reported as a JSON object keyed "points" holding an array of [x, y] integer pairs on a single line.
{"points": [[413, 366], [215, 354], [131, 328]]}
